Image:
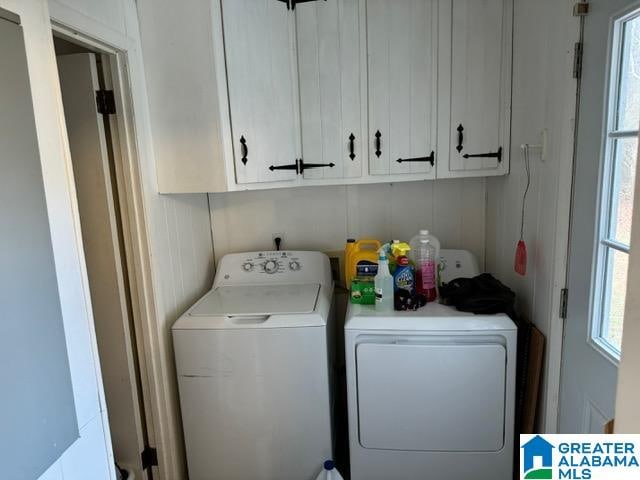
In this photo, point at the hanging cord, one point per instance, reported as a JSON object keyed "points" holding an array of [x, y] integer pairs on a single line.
{"points": [[526, 190]]}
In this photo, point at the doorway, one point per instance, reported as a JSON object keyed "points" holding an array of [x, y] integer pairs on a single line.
{"points": [[86, 81], [605, 168]]}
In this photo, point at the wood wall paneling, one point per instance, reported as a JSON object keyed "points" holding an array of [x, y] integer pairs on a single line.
{"points": [[321, 218]]}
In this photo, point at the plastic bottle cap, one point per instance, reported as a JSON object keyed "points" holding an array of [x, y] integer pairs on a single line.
{"points": [[351, 240], [424, 232], [402, 260], [329, 465]]}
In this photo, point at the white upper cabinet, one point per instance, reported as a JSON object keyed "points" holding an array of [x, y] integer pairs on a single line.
{"points": [[258, 39], [187, 90], [402, 49], [329, 55], [280, 93], [475, 76]]}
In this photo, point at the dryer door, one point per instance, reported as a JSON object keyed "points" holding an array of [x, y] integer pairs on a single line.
{"points": [[445, 394]]}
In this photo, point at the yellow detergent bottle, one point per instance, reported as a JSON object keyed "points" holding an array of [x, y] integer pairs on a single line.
{"points": [[361, 259], [348, 249]]}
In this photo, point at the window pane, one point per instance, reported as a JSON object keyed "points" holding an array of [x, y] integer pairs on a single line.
{"points": [[623, 183], [615, 290], [629, 99]]}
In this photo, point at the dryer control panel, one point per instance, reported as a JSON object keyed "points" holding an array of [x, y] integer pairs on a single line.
{"points": [[274, 267]]}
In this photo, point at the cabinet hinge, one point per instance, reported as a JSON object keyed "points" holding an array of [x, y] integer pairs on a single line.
{"points": [[106, 102], [149, 457], [581, 9], [564, 299], [577, 60]]}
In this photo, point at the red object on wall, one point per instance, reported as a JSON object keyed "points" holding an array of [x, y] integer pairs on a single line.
{"points": [[520, 264]]}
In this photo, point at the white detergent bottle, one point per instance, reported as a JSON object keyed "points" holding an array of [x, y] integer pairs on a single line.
{"points": [[329, 472], [383, 284]]}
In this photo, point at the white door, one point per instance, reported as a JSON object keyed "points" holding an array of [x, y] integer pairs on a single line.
{"points": [[601, 222], [328, 36], [111, 314], [475, 79], [259, 38], [402, 53]]}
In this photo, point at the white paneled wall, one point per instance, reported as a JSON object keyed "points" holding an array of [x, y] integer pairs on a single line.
{"points": [[184, 242], [543, 97], [183, 262], [322, 218]]}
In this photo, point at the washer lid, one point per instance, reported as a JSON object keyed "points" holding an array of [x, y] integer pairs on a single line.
{"points": [[251, 300]]}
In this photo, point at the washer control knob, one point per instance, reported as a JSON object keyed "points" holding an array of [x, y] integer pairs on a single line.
{"points": [[295, 266], [247, 266], [271, 266]]}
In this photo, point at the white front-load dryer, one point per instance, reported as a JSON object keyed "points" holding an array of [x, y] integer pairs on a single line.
{"points": [[253, 358], [430, 393]]}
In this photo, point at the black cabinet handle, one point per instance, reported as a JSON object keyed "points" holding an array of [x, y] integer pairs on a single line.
{"points": [[291, 4], [497, 155], [306, 166], [244, 149], [378, 143], [352, 147], [460, 138], [292, 166], [431, 159]]}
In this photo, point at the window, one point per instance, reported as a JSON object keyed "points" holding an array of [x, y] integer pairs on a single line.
{"points": [[617, 187]]}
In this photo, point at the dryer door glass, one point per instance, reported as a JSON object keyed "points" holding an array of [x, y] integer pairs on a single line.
{"points": [[441, 395]]}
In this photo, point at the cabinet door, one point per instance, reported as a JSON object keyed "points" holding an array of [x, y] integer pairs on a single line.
{"points": [[259, 49], [328, 44], [402, 61], [477, 76]]}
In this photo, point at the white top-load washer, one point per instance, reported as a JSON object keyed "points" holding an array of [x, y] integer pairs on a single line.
{"points": [[431, 392], [253, 361]]}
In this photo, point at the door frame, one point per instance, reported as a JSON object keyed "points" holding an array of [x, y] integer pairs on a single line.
{"points": [[134, 225], [555, 340], [566, 155]]}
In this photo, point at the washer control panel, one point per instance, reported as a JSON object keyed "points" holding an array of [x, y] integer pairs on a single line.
{"points": [[285, 267], [272, 263]]}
